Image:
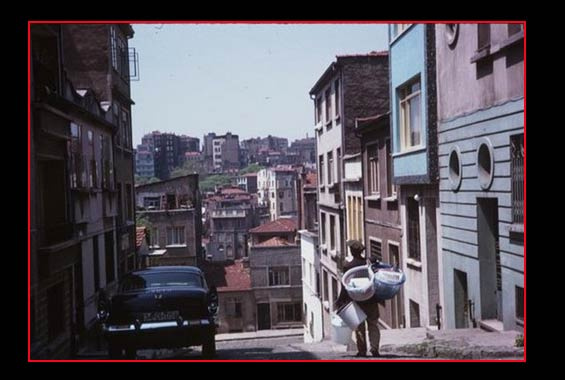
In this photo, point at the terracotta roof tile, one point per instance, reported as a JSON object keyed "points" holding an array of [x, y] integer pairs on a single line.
{"points": [[312, 179], [227, 277], [273, 242], [279, 225]]}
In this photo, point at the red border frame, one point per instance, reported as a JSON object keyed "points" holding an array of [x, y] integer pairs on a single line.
{"points": [[30, 22]]}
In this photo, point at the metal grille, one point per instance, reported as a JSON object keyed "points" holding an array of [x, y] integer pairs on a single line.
{"points": [[377, 250], [517, 165]]}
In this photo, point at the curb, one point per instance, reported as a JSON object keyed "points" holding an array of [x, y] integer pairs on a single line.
{"points": [[447, 349], [226, 339]]}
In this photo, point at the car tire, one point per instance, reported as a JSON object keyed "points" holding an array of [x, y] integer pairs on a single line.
{"points": [[209, 347], [114, 351], [131, 353]]}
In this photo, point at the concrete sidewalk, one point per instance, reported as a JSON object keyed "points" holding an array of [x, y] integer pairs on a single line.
{"points": [[474, 343]]}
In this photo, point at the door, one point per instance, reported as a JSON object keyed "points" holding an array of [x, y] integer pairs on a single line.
{"points": [[263, 316], [396, 302], [461, 296], [489, 258]]}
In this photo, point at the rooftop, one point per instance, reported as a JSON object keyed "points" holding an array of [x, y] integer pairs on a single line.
{"points": [[334, 66], [231, 276], [279, 225], [274, 242]]}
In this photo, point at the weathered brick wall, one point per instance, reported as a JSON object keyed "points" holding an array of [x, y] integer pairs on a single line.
{"points": [[365, 93], [87, 57]]}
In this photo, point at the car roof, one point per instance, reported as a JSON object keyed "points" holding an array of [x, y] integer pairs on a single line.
{"points": [[187, 269]]}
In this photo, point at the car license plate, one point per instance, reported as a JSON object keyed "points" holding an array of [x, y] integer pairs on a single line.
{"points": [[160, 316]]}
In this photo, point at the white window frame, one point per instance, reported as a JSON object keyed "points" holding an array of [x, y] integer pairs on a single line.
{"points": [[277, 281], [154, 238], [176, 236], [406, 144], [373, 163]]}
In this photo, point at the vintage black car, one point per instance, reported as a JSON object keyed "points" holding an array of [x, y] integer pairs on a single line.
{"points": [[161, 307]]}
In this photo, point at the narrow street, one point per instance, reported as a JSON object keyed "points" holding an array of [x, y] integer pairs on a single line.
{"points": [[283, 348]]}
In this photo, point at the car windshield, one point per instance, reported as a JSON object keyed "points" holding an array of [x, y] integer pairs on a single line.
{"points": [[154, 280]]}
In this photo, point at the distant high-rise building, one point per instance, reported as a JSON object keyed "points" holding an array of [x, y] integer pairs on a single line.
{"points": [[221, 153]]}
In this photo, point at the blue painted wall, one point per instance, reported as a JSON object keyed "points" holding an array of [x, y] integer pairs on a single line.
{"points": [[407, 60]]}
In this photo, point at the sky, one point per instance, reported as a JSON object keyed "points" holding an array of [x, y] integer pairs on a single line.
{"points": [[249, 79]]}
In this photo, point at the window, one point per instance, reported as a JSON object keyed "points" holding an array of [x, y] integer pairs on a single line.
{"points": [[321, 169], [279, 276], [289, 312], [515, 29], [55, 311], [154, 238], [78, 172], [233, 307], [328, 101], [107, 163], [390, 186], [92, 169], [483, 32], [114, 43], [332, 232], [338, 162], [129, 202], [318, 110], [410, 115], [519, 292], [373, 156], [281, 207], [414, 314], [334, 290], [325, 285], [413, 222], [337, 100], [376, 249], [485, 164], [399, 28], [451, 31], [96, 265], [517, 169], [454, 169], [323, 227], [281, 194], [330, 167], [109, 253], [175, 236]]}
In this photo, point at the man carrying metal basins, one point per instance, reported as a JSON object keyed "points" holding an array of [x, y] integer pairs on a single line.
{"points": [[370, 307]]}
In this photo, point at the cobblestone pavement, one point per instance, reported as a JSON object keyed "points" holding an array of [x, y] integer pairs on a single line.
{"points": [[283, 348]]}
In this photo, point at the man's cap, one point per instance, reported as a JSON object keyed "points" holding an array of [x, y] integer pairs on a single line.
{"points": [[355, 245]]}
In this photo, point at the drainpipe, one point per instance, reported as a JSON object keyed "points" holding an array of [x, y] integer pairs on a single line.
{"points": [[438, 316]]}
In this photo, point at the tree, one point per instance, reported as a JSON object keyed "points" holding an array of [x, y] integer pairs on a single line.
{"points": [[189, 167], [210, 182], [252, 168]]}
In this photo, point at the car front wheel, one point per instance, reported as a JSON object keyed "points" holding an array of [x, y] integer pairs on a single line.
{"points": [[209, 347], [114, 351]]}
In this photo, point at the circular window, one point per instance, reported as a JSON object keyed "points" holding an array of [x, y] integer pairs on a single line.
{"points": [[455, 168], [485, 164], [451, 32]]}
